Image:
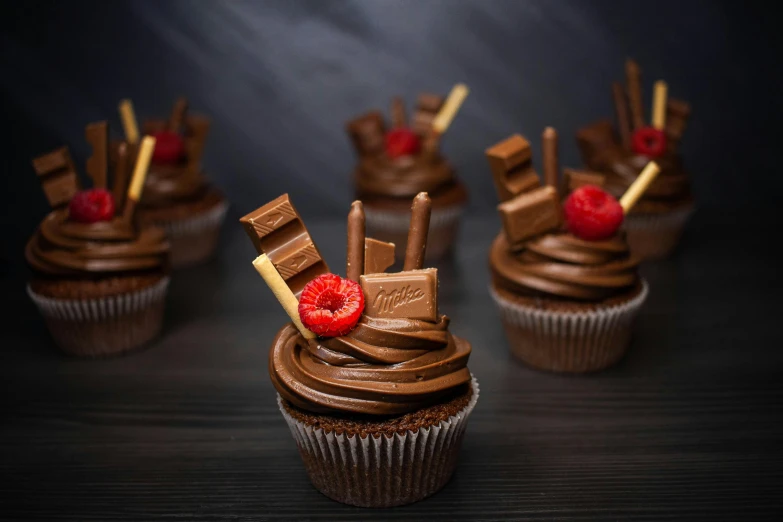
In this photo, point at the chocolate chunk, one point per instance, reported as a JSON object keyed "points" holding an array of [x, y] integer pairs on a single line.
{"points": [[97, 135], [368, 133], [276, 229], [378, 256], [58, 176], [595, 140], [677, 114], [530, 214], [579, 178], [427, 107], [621, 114], [404, 295], [512, 167]]}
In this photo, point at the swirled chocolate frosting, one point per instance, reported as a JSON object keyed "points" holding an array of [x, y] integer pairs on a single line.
{"points": [[172, 183], [561, 266], [61, 247], [383, 367]]}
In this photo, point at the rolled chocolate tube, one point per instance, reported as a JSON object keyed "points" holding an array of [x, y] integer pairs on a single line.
{"points": [[633, 78], [121, 172], [398, 116], [356, 235], [549, 142], [97, 135], [417, 234], [177, 118], [621, 113]]}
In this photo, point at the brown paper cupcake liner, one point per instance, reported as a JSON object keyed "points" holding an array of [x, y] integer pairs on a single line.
{"points": [[194, 240], [576, 342], [393, 227], [655, 236], [383, 471], [106, 326]]}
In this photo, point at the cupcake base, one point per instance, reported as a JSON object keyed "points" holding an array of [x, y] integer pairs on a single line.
{"points": [[104, 326], [378, 466], [656, 235], [569, 341]]}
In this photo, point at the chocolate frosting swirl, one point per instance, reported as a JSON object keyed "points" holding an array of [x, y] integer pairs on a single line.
{"points": [[169, 183], [403, 177], [562, 266], [64, 247], [383, 367]]}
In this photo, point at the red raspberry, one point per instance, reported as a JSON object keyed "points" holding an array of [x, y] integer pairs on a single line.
{"points": [[91, 206], [591, 213], [330, 305], [169, 147], [649, 142], [401, 142]]}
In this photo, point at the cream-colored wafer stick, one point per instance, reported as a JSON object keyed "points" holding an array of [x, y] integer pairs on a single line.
{"points": [[129, 121], [283, 294], [638, 187], [139, 175], [659, 105], [450, 108]]}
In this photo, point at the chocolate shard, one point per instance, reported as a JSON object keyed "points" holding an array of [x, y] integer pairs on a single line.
{"points": [[276, 229], [58, 176], [594, 141], [677, 114], [511, 163], [97, 135], [427, 107], [579, 178], [530, 214], [367, 133], [378, 256], [633, 78], [178, 115], [403, 295]]}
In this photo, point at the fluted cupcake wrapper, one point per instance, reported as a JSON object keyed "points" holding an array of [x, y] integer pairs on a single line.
{"points": [[194, 239], [655, 236], [393, 227], [576, 342], [383, 471], [105, 326]]}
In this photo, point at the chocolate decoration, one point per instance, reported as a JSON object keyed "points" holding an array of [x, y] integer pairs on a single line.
{"points": [[512, 167], [276, 229], [551, 169], [405, 295], [621, 114], [579, 178], [177, 118], [378, 256], [57, 175], [633, 75], [122, 172], [399, 117], [97, 135], [368, 134], [356, 242], [417, 233], [677, 114], [530, 214], [196, 130], [427, 107], [597, 144]]}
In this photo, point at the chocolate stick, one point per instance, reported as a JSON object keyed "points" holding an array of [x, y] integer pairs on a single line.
{"points": [[177, 118], [139, 175], [129, 123], [633, 78], [356, 235], [417, 234], [621, 112], [97, 135], [398, 116], [121, 172], [549, 141]]}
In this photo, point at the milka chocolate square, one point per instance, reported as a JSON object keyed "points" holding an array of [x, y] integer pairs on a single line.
{"points": [[412, 294]]}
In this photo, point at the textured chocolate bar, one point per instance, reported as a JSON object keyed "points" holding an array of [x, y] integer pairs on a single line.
{"points": [[595, 139], [427, 107], [368, 133], [378, 256], [58, 176], [530, 214], [677, 114], [579, 178], [97, 135], [511, 164], [404, 295], [277, 230]]}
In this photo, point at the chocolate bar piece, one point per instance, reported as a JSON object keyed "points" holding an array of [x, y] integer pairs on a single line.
{"points": [[677, 114], [404, 295], [196, 130], [594, 141], [58, 176], [368, 133], [511, 164], [427, 107], [277, 230], [178, 115], [378, 256], [399, 117], [530, 214], [579, 178], [97, 135], [621, 114]]}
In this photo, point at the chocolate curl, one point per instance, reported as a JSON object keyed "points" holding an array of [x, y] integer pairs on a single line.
{"points": [[633, 78], [129, 124], [398, 116], [139, 175], [97, 135], [57, 176], [356, 237], [549, 142], [638, 187], [621, 112], [121, 172], [284, 295], [177, 118], [660, 92], [417, 234]]}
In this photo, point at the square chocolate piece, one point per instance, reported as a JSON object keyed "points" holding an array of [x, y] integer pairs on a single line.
{"points": [[530, 214], [511, 163], [412, 294]]}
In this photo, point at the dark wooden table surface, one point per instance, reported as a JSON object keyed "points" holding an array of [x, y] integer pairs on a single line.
{"points": [[686, 427]]}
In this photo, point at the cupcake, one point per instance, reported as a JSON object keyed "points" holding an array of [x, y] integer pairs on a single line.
{"points": [[563, 275], [374, 387], [396, 164], [177, 196], [656, 224], [98, 278]]}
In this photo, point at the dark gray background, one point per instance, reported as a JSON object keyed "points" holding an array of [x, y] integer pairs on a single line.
{"points": [[281, 78]]}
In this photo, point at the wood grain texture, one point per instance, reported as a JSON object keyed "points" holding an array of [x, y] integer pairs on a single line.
{"points": [[686, 427]]}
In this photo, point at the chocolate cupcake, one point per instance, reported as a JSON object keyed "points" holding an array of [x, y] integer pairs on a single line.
{"points": [[98, 278], [374, 387], [177, 196], [395, 165], [566, 283], [618, 155]]}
